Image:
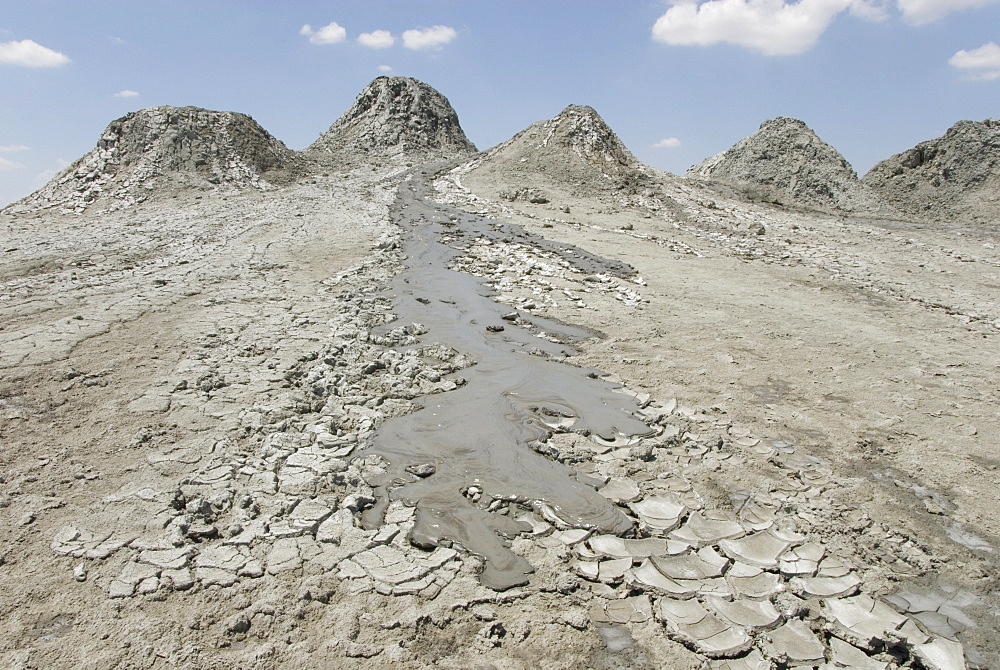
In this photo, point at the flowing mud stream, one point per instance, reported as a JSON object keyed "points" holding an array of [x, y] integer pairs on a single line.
{"points": [[465, 451]]}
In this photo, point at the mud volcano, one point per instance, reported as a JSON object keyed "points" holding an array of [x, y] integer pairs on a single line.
{"points": [[472, 446]]}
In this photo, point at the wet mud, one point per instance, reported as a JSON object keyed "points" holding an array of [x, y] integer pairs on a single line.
{"points": [[466, 453]]}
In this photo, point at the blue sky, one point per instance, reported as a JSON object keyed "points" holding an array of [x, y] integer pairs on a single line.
{"points": [[872, 77]]}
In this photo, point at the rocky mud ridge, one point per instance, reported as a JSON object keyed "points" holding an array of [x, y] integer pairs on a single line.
{"points": [[956, 176], [786, 163], [547, 408], [141, 150], [396, 117], [575, 148]]}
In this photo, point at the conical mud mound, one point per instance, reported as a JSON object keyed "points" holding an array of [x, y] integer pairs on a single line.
{"points": [[957, 175], [576, 142], [396, 117], [188, 145], [787, 163], [575, 150]]}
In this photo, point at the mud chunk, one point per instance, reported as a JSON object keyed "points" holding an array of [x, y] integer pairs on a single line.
{"points": [[689, 622], [848, 656], [802, 560], [941, 654], [752, 661], [648, 576], [794, 644], [625, 610], [708, 527], [760, 549], [422, 470], [612, 571], [358, 650], [308, 514], [167, 559], [178, 580], [617, 547], [706, 563], [620, 490], [862, 620], [284, 556], [660, 514], [752, 582], [749, 614], [826, 587]]}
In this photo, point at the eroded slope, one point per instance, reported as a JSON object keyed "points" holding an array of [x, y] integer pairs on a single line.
{"points": [[159, 147], [952, 178]]}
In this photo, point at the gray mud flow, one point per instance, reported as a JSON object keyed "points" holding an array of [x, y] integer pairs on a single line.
{"points": [[478, 438]]}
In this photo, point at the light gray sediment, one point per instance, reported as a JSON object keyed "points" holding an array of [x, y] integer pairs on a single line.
{"points": [[478, 436]]}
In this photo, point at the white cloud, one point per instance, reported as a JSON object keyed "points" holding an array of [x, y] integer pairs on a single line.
{"points": [[30, 54], [428, 38], [11, 148], [385, 68], [44, 176], [7, 166], [982, 63], [919, 12], [331, 33], [377, 39], [870, 10], [772, 27], [126, 93], [667, 143]]}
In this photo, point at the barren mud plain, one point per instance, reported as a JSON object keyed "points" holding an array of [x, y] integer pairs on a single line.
{"points": [[392, 402]]}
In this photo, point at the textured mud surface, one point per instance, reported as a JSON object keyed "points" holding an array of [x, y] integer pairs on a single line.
{"points": [[548, 408]]}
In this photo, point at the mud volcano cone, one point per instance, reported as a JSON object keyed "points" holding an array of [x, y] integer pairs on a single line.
{"points": [[575, 151], [396, 117], [785, 162], [954, 175], [189, 146], [576, 141]]}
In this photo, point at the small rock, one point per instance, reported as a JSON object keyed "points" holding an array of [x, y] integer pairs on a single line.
{"points": [[120, 589], [179, 580], [254, 568], [577, 619], [357, 502], [238, 624], [422, 470], [80, 573]]}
